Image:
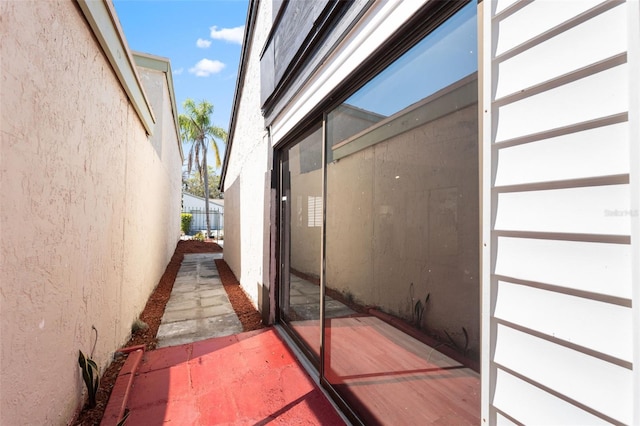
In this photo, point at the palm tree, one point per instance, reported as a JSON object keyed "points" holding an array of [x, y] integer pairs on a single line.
{"points": [[196, 129]]}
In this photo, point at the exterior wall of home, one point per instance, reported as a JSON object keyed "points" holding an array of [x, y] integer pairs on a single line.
{"points": [[194, 202], [154, 82], [376, 25], [94, 211], [328, 29], [247, 180], [163, 202], [196, 205], [559, 180], [560, 212]]}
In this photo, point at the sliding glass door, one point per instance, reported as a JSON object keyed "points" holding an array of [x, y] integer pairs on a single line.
{"points": [[301, 233], [384, 230]]}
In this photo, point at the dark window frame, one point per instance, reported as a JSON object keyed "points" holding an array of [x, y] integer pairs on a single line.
{"points": [[429, 17], [321, 27]]}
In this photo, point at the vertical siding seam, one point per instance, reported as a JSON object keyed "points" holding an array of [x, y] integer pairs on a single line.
{"points": [[487, 170], [633, 48]]}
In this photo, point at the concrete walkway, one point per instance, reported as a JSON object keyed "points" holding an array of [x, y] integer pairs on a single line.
{"points": [[250, 378], [198, 307]]}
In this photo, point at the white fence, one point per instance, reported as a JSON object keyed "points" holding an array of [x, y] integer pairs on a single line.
{"points": [[199, 221]]}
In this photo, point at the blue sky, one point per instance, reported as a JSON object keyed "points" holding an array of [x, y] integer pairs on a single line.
{"points": [[446, 56], [201, 38]]}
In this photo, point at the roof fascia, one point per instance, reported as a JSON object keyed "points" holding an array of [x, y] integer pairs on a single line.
{"points": [[159, 63], [211, 200], [247, 42], [104, 23]]}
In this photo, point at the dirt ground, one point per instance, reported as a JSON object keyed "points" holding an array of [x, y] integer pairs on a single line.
{"points": [[152, 315]]}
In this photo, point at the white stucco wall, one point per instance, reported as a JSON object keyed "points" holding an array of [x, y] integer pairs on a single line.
{"points": [[94, 211], [246, 181]]}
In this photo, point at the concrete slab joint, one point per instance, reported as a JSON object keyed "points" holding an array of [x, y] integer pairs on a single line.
{"points": [[199, 307]]}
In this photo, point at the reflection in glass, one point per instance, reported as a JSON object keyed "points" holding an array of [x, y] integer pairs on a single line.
{"points": [[302, 211], [301, 227], [447, 55], [402, 236]]}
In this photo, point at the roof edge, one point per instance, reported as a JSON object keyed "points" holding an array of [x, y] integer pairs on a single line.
{"points": [[247, 42], [102, 18], [211, 200], [162, 64]]}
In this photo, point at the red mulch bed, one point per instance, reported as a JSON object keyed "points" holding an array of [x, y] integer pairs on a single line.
{"points": [[152, 315], [247, 313]]}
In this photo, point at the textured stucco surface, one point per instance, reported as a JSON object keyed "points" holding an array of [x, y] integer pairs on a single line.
{"points": [[246, 183], [94, 210]]}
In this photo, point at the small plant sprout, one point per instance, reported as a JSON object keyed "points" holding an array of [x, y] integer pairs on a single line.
{"points": [[418, 307], [137, 325], [90, 372], [124, 418], [90, 376], [454, 345]]}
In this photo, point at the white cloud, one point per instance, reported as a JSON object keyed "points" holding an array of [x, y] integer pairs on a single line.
{"points": [[232, 35], [206, 67], [203, 43], [178, 71]]}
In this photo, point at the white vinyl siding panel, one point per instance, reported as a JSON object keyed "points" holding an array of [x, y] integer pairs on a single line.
{"points": [[556, 135], [549, 59], [566, 317], [587, 210], [600, 268], [595, 96], [501, 5], [537, 18], [594, 383], [541, 407], [603, 151]]}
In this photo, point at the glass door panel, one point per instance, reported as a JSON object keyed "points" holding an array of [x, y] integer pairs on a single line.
{"points": [[301, 232], [402, 236]]}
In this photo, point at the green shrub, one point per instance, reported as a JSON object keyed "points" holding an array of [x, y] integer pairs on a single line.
{"points": [[185, 222], [199, 236]]}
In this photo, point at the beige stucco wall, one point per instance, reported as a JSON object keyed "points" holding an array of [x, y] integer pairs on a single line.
{"points": [[90, 212], [246, 241]]}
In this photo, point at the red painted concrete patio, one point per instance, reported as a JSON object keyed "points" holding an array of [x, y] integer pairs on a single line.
{"points": [[248, 378]]}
